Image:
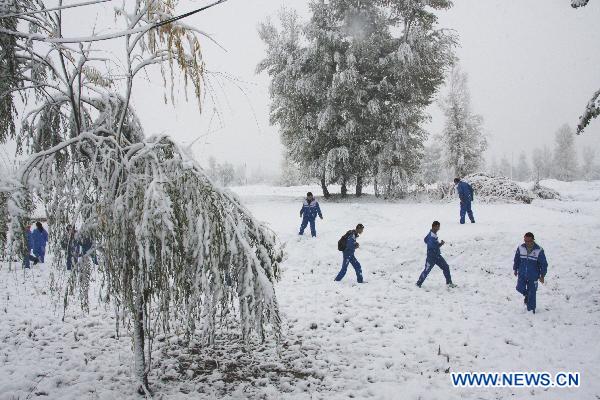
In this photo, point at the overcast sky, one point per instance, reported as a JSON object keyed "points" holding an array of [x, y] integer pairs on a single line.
{"points": [[532, 67]]}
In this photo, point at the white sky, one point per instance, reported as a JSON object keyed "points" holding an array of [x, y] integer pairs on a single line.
{"points": [[532, 67]]}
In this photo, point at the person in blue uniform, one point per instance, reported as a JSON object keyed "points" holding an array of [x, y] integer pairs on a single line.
{"points": [[434, 256], [465, 193], [40, 240], [309, 211], [529, 266], [348, 257]]}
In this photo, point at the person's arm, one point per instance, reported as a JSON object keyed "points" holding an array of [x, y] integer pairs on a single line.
{"points": [[302, 210], [516, 262], [319, 211], [543, 265], [471, 192]]}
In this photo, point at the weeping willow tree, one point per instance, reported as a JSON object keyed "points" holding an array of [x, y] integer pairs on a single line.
{"points": [[175, 252]]}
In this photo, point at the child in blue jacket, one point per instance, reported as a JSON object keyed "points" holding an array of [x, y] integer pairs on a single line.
{"points": [[434, 256], [530, 266], [309, 211]]}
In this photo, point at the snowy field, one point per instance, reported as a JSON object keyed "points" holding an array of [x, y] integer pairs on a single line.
{"points": [[386, 339]]}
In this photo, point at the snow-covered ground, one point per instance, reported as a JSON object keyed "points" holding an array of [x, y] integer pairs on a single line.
{"points": [[386, 339]]}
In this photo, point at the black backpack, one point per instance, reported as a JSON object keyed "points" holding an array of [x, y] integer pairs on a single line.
{"points": [[343, 239]]}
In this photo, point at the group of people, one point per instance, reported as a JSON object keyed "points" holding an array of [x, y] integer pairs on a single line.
{"points": [[74, 245], [529, 265]]}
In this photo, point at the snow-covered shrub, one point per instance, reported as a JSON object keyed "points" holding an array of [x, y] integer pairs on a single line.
{"points": [[490, 188], [544, 192]]}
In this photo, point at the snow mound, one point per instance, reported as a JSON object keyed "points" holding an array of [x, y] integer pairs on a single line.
{"points": [[498, 188], [544, 192]]}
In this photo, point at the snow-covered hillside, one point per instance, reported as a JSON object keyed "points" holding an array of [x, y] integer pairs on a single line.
{"points": [[386, 339]]}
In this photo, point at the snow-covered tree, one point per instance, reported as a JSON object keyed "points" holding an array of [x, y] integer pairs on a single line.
{"points": [[565, 154], [542, 163], [592, 109], [589, 169], [523, 172], [175, 252], [463, 136], [432, 164], [350, 87]]}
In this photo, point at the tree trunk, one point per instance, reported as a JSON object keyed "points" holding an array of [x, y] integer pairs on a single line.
{"points": [[139, 352], [359, 186], [344, 189], [324, 187]]}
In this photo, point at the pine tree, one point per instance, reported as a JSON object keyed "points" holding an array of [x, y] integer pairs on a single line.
{"points": [[463, 137], [431, 166], [565, 154], [349, 96]]}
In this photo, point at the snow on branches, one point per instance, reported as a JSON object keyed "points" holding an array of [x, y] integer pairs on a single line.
{"points": [[344, 86], [175, 252]]}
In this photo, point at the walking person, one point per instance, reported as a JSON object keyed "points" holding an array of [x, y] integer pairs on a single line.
{"points": [[434, 256], [40, 240], [465, 193], [348, 244], [27, 247], [530, 266], [309, 211]]}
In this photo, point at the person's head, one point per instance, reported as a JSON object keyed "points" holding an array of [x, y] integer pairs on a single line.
{"points": [[360, 228], [435, 226], [309, 195], [529, 239], [456, 180], [39, 226]]}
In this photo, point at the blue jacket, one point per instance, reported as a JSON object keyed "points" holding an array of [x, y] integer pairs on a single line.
{"points": [[533, 265], [465, 191], [39, 238], [350, 244], [310, 210], [433, 246]]}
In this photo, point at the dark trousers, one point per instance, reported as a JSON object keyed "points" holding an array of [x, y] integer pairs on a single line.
{"points": [[465, 208], [527, 286], [350, 259], [429, 264], [306, 221], [40, 253]]}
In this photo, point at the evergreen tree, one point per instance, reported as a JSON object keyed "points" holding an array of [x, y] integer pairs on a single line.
{"points": [[431, 166], [565, 154], [462, 136], [542, 163], [350, 87]]}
